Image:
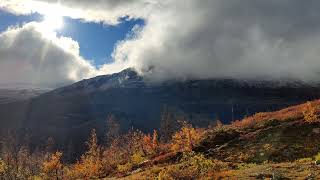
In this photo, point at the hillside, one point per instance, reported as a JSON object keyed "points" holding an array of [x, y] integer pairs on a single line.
{"points": [[69, 113], [280, 145]]}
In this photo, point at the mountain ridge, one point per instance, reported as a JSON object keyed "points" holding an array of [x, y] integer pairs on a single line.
{"points": [[123, 76], [69, 113]]}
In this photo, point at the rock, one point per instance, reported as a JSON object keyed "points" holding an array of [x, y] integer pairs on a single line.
{"points": [[136, 171]]}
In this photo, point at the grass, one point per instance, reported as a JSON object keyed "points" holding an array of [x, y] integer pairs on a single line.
{"points": [[287, 114], [290, 170]]}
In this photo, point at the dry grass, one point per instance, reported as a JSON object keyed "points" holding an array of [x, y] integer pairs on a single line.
{"points": [[290, 113], [294, 170]]}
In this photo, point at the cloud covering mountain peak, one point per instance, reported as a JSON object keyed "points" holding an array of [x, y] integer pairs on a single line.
{"points": [[204, 39]]}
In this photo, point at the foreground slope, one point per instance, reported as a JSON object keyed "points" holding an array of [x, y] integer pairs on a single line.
{"points": [[281, 145]]}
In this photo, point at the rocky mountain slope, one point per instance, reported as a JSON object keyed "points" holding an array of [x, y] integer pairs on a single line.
{"points": [[69, 113]]}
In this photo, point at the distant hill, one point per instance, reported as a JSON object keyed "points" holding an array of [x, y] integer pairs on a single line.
{"points": [[69, 113], [14, 95]]}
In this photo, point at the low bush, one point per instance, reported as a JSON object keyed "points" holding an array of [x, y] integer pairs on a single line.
{"points": [[192, 165], [317, 157], [52, 168], [186, 138], [304, 160], [3, 167], [177, 172], [125, 168], [242, 166], [137, 158], [310, 113], [271, 122]]}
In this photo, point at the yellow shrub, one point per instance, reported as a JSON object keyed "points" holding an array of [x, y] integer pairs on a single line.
{"points": [[137, 158], [125, 168], [243, 166], [317, 157], [177, 172], [3, 167], [192, 165], [186, 138], [90, 164], [310, 113], [197, 161], [86, 168], [304, 160]]}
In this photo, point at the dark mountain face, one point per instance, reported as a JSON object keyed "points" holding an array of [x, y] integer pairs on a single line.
{"points": [[71, 112]]}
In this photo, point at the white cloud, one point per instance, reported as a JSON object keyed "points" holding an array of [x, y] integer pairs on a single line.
{"points": [[208, 38], [228, 39], [107, 11], [30, 56]]}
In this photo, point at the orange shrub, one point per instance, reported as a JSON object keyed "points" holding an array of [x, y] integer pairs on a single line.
{"points": [[186, 138], [90, 164], [52, 167], [151, 144]]}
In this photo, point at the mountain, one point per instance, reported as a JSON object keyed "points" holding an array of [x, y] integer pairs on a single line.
{"points": [[13, 95], [69, 113]]}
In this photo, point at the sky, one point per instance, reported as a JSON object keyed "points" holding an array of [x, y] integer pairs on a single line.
{"points": [[96, 40], [161, 39]]}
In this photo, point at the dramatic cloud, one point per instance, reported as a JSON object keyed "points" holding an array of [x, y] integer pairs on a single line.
{"points": [[234, 39], [181, 39], [30, 55]]}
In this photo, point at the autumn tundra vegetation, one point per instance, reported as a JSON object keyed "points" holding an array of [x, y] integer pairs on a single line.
{"points": [[281, 144]]}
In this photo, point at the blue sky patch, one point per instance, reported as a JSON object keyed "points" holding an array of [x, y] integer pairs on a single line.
{"points": [[96, 40]]}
